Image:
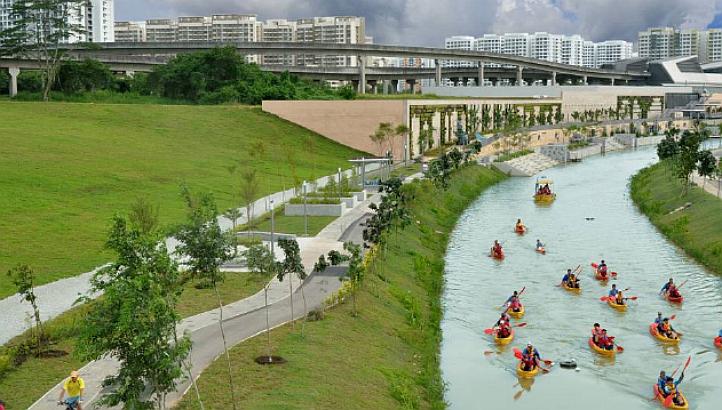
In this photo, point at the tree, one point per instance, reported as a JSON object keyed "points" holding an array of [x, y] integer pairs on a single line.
{"points": [[40, 27], [144, 215], [402, 131], [706, 166], [135, 320], [207, 248], [259, 259], [667, 148], [249, 192], [291, 265], [382, 135], [24, 280], [686, 161], [356, 270]]}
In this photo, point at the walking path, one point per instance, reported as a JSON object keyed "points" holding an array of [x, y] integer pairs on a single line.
{"points": [[245, 318], [57, 297]]}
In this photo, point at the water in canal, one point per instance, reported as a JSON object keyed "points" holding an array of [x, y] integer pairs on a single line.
{"points": [[481, 375]]}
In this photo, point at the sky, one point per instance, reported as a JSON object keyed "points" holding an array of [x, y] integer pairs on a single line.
{"points": [[428, 22]]}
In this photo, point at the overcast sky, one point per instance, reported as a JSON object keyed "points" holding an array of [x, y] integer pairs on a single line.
{"points": [[428, 22]]}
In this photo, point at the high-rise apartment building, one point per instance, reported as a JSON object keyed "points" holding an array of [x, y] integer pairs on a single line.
{"points": [[666, 42], [714, 45], [572, 50], [246, 28], [95, 18], [129, 31]]}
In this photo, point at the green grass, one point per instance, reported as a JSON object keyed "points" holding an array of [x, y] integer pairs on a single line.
{"points": [[295, 224], [385, 358], [695, 229], [101, 97], [512, 155], [68, 168], [23, 385]]}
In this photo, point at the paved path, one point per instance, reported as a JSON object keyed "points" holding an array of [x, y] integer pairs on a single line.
{"points": [[245, 318], [57, 297]]}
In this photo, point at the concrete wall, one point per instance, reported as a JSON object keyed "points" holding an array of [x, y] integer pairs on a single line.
{"points": [[347, 122]]}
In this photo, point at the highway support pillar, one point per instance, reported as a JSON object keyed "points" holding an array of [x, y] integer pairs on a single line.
{"points": [[14, 71], [437, 76], [519, 75], [362, 75], [480, 82]]}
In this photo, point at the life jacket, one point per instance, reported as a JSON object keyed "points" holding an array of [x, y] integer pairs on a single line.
{"points": [[620, 298], [665, 327], [673, 292], [602, 270]]}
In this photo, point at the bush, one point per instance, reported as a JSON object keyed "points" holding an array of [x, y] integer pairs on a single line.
{"points": [[4, 82], [30, 81], [87, 75], [315, 201]]}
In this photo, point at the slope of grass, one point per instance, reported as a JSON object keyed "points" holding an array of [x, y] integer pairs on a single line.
{"points": [[695, 229], [23, 385], [67, 168], [384, 358]]}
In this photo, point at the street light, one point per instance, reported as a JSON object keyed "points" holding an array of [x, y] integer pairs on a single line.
{"points": [[273, 225], [305, 215]]}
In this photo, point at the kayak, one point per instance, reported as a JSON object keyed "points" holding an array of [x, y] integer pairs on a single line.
{"points": [[654, 332], [541, 250], [574, 290], [601, 351], [718, 342], [679, 299], [526, 374], [503, 340], [516, 315], [660, 397], [613, 304], [495, 255], [521, 230]]}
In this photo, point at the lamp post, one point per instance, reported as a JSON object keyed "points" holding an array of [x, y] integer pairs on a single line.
{"points": [[305, 215], [406, 154], [273, 226]]}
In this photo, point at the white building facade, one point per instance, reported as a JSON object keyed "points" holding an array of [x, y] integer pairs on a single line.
{"points": [[660, 43], [95, 19], [557, 48]]}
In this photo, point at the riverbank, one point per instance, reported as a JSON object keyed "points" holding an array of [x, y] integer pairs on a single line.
{"points": [[387, 356], [657, 193]]}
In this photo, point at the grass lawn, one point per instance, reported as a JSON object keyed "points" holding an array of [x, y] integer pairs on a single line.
{"points": [[290, 224], [22, 386], [67, 168], [384, 358], [696, 229]]}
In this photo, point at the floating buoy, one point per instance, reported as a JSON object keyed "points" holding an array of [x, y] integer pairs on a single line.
{"points": [[568, 364]]}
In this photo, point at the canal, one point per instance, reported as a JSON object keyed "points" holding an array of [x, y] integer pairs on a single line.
{"points": [[593, 218]]}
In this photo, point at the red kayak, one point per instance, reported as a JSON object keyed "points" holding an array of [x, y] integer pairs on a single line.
{"points": [[718, 342], [678, 299]]}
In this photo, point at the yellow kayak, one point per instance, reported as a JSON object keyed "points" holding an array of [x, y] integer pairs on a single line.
{"points": [[659, 397], [545, 197], [601, 351], [516, 315], [613, 304], [575, 290], [503, 340], [526, 374], [654, 332]]}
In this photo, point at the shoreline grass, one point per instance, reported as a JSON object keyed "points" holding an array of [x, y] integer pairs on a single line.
{"points": [[656, 192], [68, 168], [387, 357]]}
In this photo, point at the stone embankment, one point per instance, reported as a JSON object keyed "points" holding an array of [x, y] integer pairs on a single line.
{"points": [[526, 166]]}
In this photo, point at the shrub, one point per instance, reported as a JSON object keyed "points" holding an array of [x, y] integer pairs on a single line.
{"points": [[30, 81], [87, 75], [4, 82], [315, 201]]}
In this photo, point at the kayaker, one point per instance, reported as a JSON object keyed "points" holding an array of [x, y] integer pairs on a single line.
{"points": [[504, 330], [497, 249], [504, 318], [673, 292], [565, 278], [596, 333], [665, 328], [671, 388], [620, 298], [606, 342], [530, 357], [662, 380], [666, 286], [602, 269], [513, 302], [519, 225], [539, 245], [658, 320], [613, 291]]}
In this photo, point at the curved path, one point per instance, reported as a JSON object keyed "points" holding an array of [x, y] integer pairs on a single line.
{"points": [[559, 322], [245, 318]]}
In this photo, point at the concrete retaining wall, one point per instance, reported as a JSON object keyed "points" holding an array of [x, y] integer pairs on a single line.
{"points": [[315, 209]]}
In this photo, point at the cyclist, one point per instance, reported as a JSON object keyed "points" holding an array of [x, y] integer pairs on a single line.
{"points": [[74, 386]]}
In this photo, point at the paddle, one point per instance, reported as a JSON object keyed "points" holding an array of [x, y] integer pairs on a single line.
{"points": [[491, 330], [517, 295], [606, 298], [574, 272], [686, 364], [683, 283], [518, 354]]}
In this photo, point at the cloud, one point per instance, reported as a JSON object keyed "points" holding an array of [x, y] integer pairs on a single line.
{"points": [[428, 22]]}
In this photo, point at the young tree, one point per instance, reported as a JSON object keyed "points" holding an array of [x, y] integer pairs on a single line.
{"points": [[249, 192], [135, 320], [686, 161], [144, 215], [24, 280], [260, 260], [292, 265], [356, 270], [207, 248], [40, 27], [402, 131], [706, 166]]}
